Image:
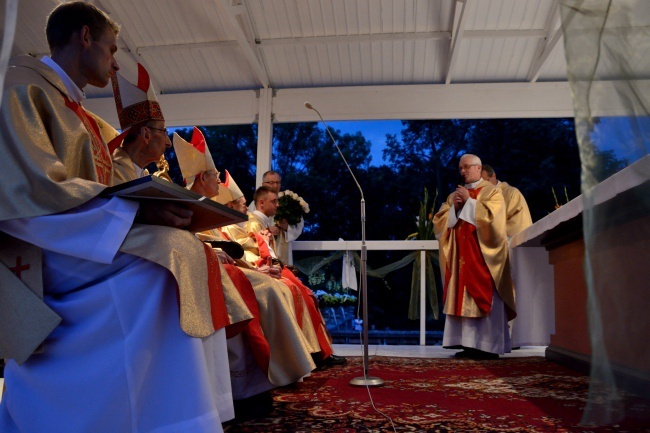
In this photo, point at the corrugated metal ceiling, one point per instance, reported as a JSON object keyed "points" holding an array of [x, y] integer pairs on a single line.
{"points": [[220, 45]]}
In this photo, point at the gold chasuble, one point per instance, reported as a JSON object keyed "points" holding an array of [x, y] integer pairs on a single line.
{"points": [[281, 318], [226, 300], [474, 259], [517, 213], [311, 324], [51, 164]]}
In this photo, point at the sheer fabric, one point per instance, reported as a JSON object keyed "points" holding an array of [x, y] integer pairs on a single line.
{"points": [[607, 46]]}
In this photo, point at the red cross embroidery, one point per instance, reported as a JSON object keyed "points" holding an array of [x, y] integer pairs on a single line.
{"points": [[19, 268]]}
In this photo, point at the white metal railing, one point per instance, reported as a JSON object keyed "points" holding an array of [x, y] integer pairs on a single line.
{"points": [[415, 245]]}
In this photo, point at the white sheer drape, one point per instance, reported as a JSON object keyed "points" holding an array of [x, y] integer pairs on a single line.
{"points": [[607, 45]]}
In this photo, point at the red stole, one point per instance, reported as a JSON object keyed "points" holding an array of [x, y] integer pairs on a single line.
{"points": [[217, 299], [473, 274], [101, 157], [296, 292]]}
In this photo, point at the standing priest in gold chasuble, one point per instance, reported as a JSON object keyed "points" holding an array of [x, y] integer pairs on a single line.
{"points": [[478, 294]]}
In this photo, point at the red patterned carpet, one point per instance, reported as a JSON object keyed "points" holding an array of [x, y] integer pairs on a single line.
{"points": [[440, 395]]}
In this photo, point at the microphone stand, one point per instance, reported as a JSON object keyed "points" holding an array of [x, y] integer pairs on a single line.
{"points": [[366, 380]]}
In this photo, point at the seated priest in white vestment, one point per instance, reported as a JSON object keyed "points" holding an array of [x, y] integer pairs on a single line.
{"points": [[272, 351], [478, 292], [102, 332]]}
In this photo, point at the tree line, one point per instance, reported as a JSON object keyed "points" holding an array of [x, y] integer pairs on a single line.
{"points": [[538, 156]]}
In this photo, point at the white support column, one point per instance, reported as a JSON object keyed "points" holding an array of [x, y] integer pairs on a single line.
{"points": [[423, 298], [264, 134]]}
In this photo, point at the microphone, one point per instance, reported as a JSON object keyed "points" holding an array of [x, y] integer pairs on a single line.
{"points": [[366, 379], [336, 144]]}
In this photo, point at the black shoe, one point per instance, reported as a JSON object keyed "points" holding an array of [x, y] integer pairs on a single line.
{"points": [[463, 354], [335, 360], [480, 355], [257, 406]]}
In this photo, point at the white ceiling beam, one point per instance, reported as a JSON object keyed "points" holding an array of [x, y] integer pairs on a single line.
{"points": [[185, 47], [187, 109], [473, 34], [265, 43], [348, 39], [247, 46], [413, 36], [536, 67], [456, 35], [547, 45], [434, 101], [431, 101]]}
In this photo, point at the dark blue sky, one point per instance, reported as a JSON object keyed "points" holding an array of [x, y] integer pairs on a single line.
{"points": [[373, 130]]}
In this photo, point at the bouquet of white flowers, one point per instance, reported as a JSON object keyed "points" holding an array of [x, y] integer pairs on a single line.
{"points": [[291, 207]]}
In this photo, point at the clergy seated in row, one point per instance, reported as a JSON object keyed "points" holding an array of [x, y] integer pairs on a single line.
{"points": [[100, 332], [143, 141], [478, 292], [280, 310], [232, 197], [140, 145], [258, 226]]}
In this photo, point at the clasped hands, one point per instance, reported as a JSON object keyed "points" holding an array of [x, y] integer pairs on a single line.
{"points": [[460, 197], [270, 269]]}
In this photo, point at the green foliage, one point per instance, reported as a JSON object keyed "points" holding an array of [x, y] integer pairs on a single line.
{"points": [[424, 220], [329, 291]]}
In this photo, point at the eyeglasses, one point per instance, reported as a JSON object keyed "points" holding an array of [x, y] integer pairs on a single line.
{"points": [[465, 166], [159, 129], [273, 182], [215, 173]]}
